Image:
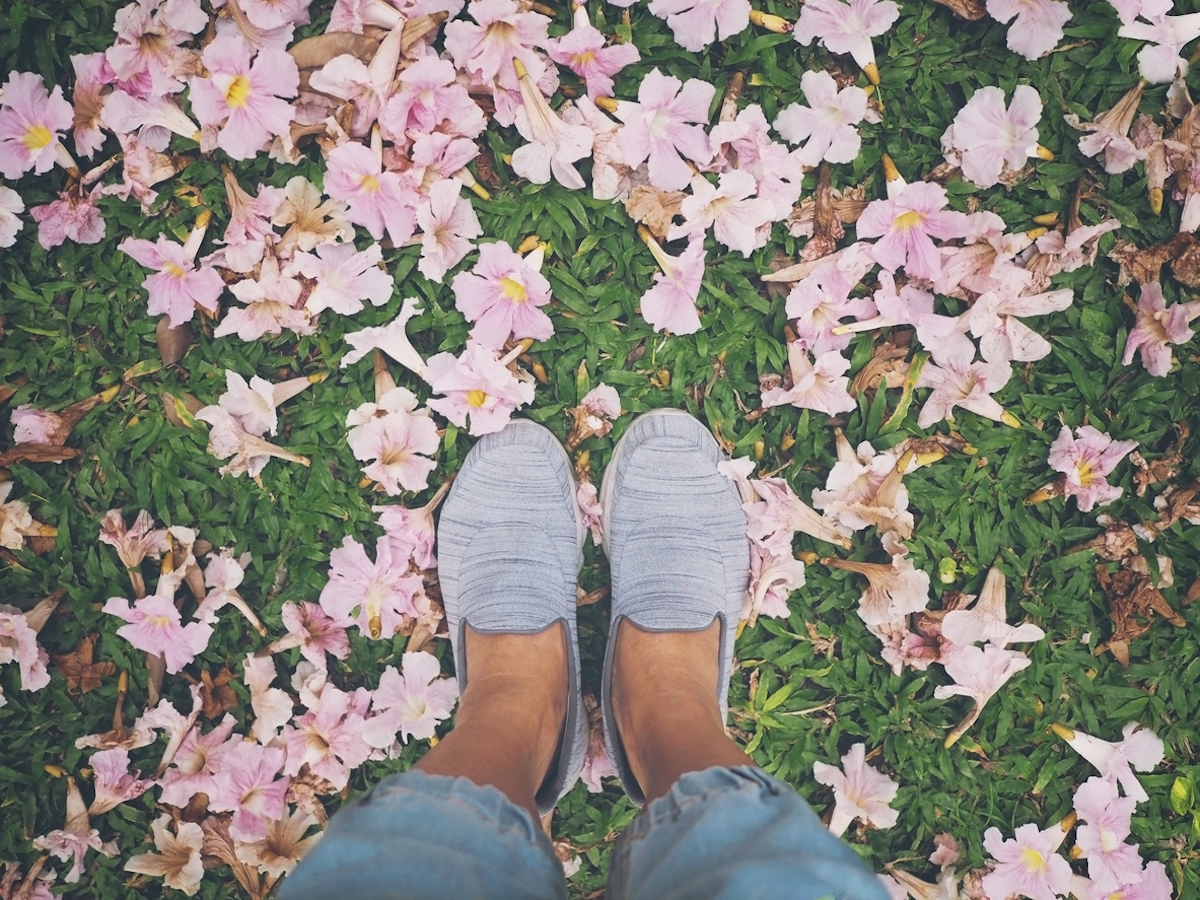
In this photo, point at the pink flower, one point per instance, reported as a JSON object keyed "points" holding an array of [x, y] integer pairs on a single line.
{"points": [[329, 738], [1086, 460], [476, 384], [344, 278], [448, 227], [746, 142], [821, 384], [73, 841], [1028, 865], [1038, 26], [73, 215], [11, 205], [245, 99], [366, 88], [827, 123], [905, 225], [739, 220], [153, 119], [503, 295], [246, 786], [1154, 885], [978, 674], [1109, 133], [136, 543], [860, 792], [772, 523], [818, 312], [582, 51], [596, 764], [894, 590], [773, 577], [177, 287], [1140, 749], [18, 643], [112, 781], [988, 619], [249, 223], [991, 142], [156, 626], [227, 438], [1075, 250], [1002, 336], [696, 23], [1112, 863], [412, 704], [146, 53], [31, 120], [959, 382], [670, 305], [590, 510], [377, 199], [373, 595], [429, 97], [1157, 327], [314, 632], [1161, 61], [392, 339], [657, 128], [272, 707], [268, 14], [397, 442], [178, 860], [92, 75], [554, 145], [195, 763], [271, 306], [847, 26], [864, 488], [253, 404]]}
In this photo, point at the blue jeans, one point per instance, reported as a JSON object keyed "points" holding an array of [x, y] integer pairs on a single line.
{"points": [[719, 834]]}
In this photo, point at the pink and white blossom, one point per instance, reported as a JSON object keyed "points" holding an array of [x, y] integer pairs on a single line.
{"points": [[587, 499], [153, 119], [15, 519], [1086, 459], [818, 313], [195, 763], [477, 385], [246, 785], [773, 577], [252, 404], [670, 304], [374, 595], [314, 631], [411, 704], [72, 842], [367, 88], [1161, 60], [283, 846], [697, 23], [961, 383], [250, 453], [503, 294], [92, 75], [156, 626], [329, 737], [31, 122], [135, 543], [344, 277], [269, 14], [177, 286], [271, 305], [1108, 133], [448, 226], [894, 590], [1112, 863], [430, 98], [396, 439], [18, 643], [847, 26], [582, 50], [827, 123], [177, 861], [905, 225], [1037, 27], [411, 531], [739, 219], [272, 706], [990, 141], [668, 120], [554, 145], [774, 514], [1140, 748], [392, 339], [860, 791], [865, 488], [147, 54], [744, 142], [993, 319], [978, 673], [1157, 328], [376, 199], [112, 781], [987, 620], [819, 383], [1028, 864], [74, 216], [11, 206]]}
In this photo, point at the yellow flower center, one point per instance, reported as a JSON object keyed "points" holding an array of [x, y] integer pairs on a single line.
{"points": [[238, 92], [160, 621], [1033, 861], [585, 59], [908, 221], [37, 137], [513, 290], [1087, 474], [369, 183], [173, 270], [476, 399]]}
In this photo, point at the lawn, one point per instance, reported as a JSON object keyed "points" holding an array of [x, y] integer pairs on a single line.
{"points": [[811, 680]]}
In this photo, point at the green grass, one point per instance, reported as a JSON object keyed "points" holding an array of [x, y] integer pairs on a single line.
{"points": [[74, 321]]}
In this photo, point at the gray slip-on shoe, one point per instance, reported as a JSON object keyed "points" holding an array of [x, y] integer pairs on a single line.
{"points": [[675, 536], [510, 545]]}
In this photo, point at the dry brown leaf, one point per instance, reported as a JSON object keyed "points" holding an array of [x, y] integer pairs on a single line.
{"points": [[218, 843], [175, 407], [1165, 469], [888, 362], [1132, 602], [81, 672], [173, 343], [37, 453], [6, 393], [216, 695], [1186, 264], [971, 10], [315, 52], [1193, 593], [827, 230], [1145, 265], [654, 208]]}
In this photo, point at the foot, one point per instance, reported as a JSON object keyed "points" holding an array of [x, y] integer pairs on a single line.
{"points": [[509, 551], [677, 545]]}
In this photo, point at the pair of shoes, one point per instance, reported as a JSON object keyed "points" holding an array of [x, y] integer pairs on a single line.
{"points": [[510, 545]]}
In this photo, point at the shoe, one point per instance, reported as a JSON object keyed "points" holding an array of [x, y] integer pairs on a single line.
{"points": [[675, 536], [509, 546]]}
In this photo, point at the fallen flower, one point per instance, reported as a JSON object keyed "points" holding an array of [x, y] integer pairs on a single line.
{"points": [[670, 304], [283, 846], [449, 227], [819, 384], [773, 577], [156, 626], [696, 23], [1112, 863], [178, 286], [196, 762], [11, 206], [113, 783], [272, 706], [988, 619], [396, 439], [827, 123], [392, 339], [894, 590], [373, 595], [991, 142], [966, 384], [503, 295], [1157, 327], [177, 861], [860, 792], [1108, 133], [376, 198], [1037, 27], [72, 842], [978, 674], [227, 438], [739, 219], [329, 738], [905, 224], [31, 121], [478, 385], [667, 120], [312, 630], [593, 416], [847, 26], [774, 518], [554, 145], [1086, 460], [866, 488], [1028, 864], [582, 50], [344, 278], [246, 786], [1139, 749], [411, 704]]}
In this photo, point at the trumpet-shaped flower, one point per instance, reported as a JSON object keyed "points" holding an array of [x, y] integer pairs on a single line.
{"points": [[156, 626], [1086, 460], [373, 595], [993, 318], [1162, 61], [819, 384], [195, 763], [392, 339], [1157, 327], [247, 786], [227, 438], [269, 14], [31, 122], [272, 707], [329, 737], [554, 145], [745, 143], [309, 221], [283, 846], [668, 120], [430, 98], [894, 590], [177, 861], [344, 278], [860, 792], [11, 205], [1140, 748], [314, 631], [112, 781], [93, 75], [477, 385], [1037, 27], [253, 403], [847, 26], [990, 141], [818, 313], [74, 215], [245, 99], [739, 220], [864, 488], [905, 225], [18, 643], [366, 88], [147, 52], [696, 23], [773, 520], [177, 287], [978, 673], [72, 842], [1112, 863], [827, 123], [1109, 133], [153, 119], [773, 577], [1028, 864], [411, 704], [988, 619], [136, 543], [670, 304], [410, 531], [377, 199], [503, 295], [448, 225], [270, 305], [397, 444], [959, 382], [582, 51]]}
